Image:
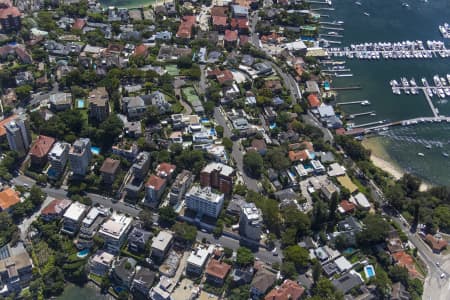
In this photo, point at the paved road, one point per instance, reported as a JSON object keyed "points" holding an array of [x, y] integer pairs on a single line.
{"points": [[311, 120], [96, 199], [435, 287], [236, 153], [262, 254]]}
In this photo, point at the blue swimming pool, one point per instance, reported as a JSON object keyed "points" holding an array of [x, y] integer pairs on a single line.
{"points": [[370, 271], [95, 150], [83, 253], [80, 103], [273, 126]]}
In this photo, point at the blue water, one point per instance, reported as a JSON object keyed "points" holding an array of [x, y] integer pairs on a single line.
{"points": [[83, 253], [212, 131], [273, 126], [80, 103], [348, 251], [370, 272], [95, 150]]}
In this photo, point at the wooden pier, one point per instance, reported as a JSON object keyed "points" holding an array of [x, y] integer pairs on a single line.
{"points": [[332, 28], [352, 116], [346, 88], [353, 102]]}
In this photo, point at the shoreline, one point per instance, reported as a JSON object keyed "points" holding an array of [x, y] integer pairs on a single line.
{"points": [[381, 159]]}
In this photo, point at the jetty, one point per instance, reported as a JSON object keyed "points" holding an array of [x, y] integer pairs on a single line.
{"points": [[352, 116], [331, 23], [331, 35], [346, 88], [354, 102], [332, 28], [322, 8]]}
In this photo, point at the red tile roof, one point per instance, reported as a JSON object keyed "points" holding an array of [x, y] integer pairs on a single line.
{"points": [[165, 169], [185, 28], [10, 11], [313, 100], [219, 21], [42, 146], [289, 290], [230, 35], [4, 122], [79, 24], [218, 269], [298, 155], [155, 182], [347, 206], [8, 198], [436, 244], [403, 259], [239, 23], [55, 207], [340, 131], [140, 50]]}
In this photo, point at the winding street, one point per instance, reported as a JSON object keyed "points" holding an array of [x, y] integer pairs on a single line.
{"points": [[236, 152]]}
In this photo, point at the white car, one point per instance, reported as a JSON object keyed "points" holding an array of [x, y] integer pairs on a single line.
{"points": [[442, 275]]}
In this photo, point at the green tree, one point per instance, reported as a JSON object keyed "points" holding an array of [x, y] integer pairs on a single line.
{"points": [[277, 159], [325, 290], [227, 143], [37, 196], [219, 130], [374, 232], [244, 256], [298, 255], [253, 164], [185, 232], [167, 216], [288, 270], [23, 92]]}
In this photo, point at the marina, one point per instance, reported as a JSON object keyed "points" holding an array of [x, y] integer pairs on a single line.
{"points": [[388, 50]]}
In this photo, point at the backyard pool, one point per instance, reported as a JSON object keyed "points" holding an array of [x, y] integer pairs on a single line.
{"points": [[370, 271], [80, 103], [83, 253], [95, 150], [273, 126]]}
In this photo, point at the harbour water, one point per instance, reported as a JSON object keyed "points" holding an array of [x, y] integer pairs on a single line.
{"points": [[390, 21]]}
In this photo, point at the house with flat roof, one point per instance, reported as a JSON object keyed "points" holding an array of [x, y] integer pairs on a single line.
{"points": [[161, 244], [73, 216], [197, 260], [347, 282], [98, 104], [138, 238], [100, 263], [182, 182], [114, 231], [60, 101], [123, 271], [16, 269], [251, 222], [143, 280], [58, 156]]}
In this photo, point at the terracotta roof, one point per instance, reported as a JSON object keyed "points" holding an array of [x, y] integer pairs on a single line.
{"points": [[241, 23], [165, 169], [185, 28], [298, 155], [436, 244], [110, 166], [289, 290], [42, 146], [340, 131], [230, 35], [347, 206], [4, 122], [313, 100], [10, 11], [155, 182], [140, 50], [57, 206], [403, 259], [219, 20], [221, 76], [79, 24], [218, 269], [221, 11], [8, 198]]}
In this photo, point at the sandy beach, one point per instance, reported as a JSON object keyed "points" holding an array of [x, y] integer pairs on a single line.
{"points": [[381, 159]]}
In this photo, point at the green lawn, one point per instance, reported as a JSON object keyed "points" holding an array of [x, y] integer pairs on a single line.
{"points": [[172, 70], [190, 94]]}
